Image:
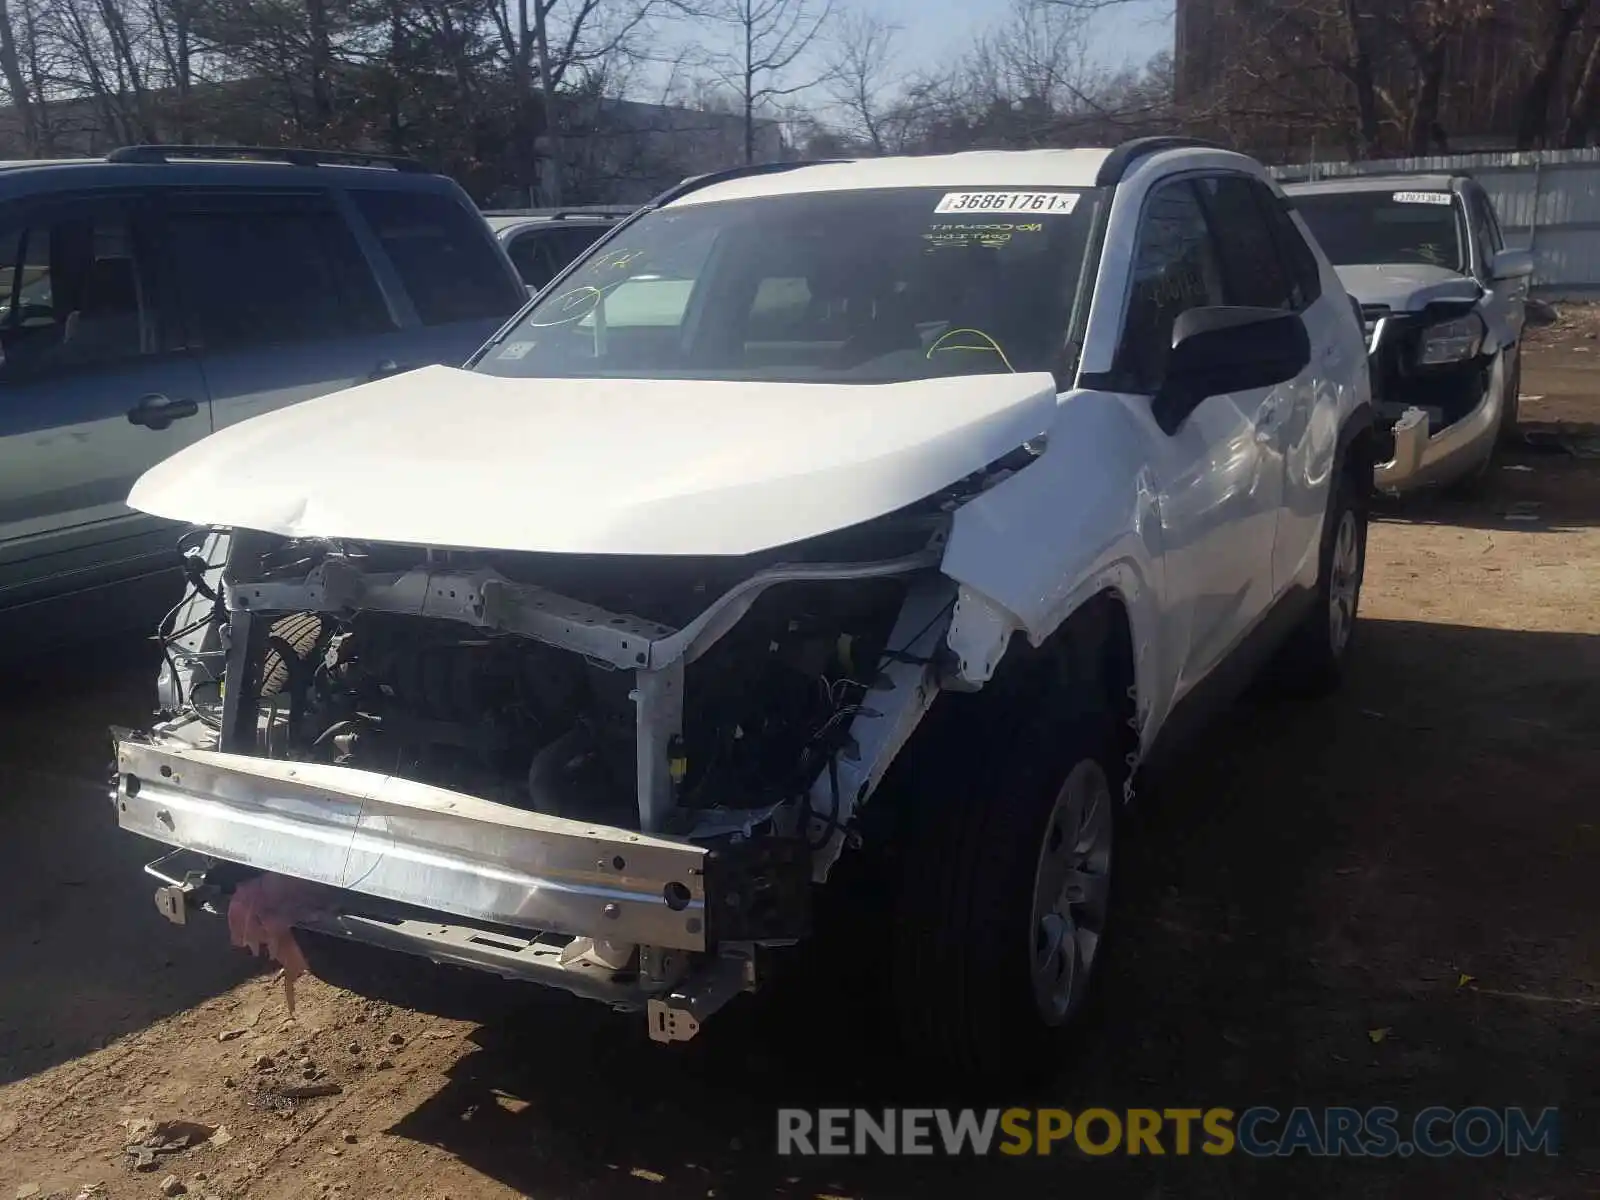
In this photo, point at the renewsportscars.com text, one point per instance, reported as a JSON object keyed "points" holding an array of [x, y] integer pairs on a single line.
{"points": [[1258, 1132]]}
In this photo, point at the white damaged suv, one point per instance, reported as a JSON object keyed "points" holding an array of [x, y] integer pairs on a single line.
{"points": [[889, 512]]}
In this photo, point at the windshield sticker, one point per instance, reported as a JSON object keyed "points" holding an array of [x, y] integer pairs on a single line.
{"points": [[516, 350], [1423, 198], [1052, 203], [940, 236]]}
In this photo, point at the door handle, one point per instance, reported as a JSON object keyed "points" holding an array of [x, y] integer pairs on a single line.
{"points": [[156, 411], [386, 368]]}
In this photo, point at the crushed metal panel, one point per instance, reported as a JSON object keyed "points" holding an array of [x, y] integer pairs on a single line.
{"points": [[890, 712], [483, 599]]}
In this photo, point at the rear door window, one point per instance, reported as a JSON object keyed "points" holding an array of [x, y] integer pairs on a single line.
{"points": [[75, 290], [530, 253], [444, 254], [542, 252], [264, 269], [1304, 271]]}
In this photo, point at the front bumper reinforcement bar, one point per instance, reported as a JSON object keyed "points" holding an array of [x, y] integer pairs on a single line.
{"points": [[414, 844]]}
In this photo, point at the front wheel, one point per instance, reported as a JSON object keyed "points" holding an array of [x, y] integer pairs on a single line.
{"points": [[1510, 434], [1004, 898]]}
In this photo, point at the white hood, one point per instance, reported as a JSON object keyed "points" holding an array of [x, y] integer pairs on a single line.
{"points": [[446, 457]]}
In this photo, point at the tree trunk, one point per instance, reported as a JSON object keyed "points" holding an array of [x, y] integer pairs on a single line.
{"points": [[1533, 126], [1422, 127], [1585, 100], [183, 68], [123, 52], [21, 98], [321, 61], [1359, 59], [749, 96], [397, 57], [38, 77], [552, 133]]}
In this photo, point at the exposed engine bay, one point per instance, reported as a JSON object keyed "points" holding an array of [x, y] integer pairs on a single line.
{"points": [[617, 775], [524, 724]]}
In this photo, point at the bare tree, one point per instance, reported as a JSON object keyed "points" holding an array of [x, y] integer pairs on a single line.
{"points": [[1038, 54], [863, 70], [1313, 62], [546, 40], [1427, 29], [772, 37], [171, 28]]}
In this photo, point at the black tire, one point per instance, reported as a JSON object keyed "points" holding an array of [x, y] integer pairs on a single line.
{"points": [[1312, 661], [962, 982], [1510, 433], [300, 633]]}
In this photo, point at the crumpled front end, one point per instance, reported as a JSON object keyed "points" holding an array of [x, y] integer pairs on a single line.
{"points": [[1438, 391], [619, 776]]}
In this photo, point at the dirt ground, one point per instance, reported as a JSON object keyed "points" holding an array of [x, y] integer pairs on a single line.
{"points": [[1418, 855]]}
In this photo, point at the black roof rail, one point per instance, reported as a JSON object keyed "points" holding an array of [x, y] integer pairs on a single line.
{"points": [[1121, 160], [293, 155], [695, 182], [1294, 174]]}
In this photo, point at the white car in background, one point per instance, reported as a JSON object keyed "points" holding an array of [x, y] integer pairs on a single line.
{"points": [[543, 241]]}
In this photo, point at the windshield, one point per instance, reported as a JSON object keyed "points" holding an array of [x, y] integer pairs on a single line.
{"points": [[854, 286], [1386, 227]]}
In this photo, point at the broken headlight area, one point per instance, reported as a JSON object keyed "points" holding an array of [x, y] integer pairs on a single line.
{"points": [[655, 757], [1450, 341], [1431, 360]]}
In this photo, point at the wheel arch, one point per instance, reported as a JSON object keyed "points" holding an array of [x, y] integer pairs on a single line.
{"points": [[1357, 446], [1087, 664]]}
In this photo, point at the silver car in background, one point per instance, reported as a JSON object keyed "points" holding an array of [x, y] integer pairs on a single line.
{"points": [[1443, 300]]}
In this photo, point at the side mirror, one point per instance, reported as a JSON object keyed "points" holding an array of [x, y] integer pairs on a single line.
{"points": [[1511, 264], [1220, 350]]}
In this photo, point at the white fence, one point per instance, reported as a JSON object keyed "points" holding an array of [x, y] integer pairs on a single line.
{"points": [[1548, 201]]}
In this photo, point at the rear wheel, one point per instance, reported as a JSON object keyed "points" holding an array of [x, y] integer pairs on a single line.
{"points": [[1313, 659]]}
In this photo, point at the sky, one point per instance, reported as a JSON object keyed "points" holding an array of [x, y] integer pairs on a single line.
{"points": [[1124, 35], [934, 33]]}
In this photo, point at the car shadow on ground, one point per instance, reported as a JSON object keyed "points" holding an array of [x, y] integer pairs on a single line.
{"points": [[1381, 898], [1538, 486], [84, 955]]}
